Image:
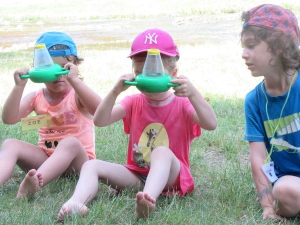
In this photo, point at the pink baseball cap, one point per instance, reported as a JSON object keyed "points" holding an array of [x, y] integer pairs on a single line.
{"points": [[154, 38]]}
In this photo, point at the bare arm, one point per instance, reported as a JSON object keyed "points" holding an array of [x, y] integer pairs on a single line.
{"points": [[107, 112], [87, 97], [14, 109], [205, 115], [257, 156]]}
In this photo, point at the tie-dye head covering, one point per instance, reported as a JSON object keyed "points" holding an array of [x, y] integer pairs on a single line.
{"points": [[274, 17]]}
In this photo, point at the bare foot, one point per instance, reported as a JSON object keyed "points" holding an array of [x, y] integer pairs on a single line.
{"points": [[72, 206], [32, 182], [145, 204]]}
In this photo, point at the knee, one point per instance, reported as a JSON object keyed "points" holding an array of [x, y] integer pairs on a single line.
{"points": [[161, 151], [282, 190], [95, 167], [9, 144], [89, 164], [70, 141], [70, 144]]}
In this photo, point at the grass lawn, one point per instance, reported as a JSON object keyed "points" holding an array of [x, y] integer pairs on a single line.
{"points": [[225, 192]]}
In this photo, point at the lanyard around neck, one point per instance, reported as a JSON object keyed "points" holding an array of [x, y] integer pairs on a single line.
{"points": [[271, 126]]}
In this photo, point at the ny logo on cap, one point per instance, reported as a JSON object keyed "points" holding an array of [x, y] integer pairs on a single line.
{"points": [[151, 38]]}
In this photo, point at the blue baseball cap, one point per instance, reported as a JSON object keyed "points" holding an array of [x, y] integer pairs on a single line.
{"points": [[58, 38]]}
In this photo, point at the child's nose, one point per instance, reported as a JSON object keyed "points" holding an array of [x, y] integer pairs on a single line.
{"points": [[245, 54]]}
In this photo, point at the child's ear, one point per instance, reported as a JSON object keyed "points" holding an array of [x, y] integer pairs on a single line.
{"points": [[278, 52], [173, 74]]}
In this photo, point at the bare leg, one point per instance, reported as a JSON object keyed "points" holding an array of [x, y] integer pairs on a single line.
{"points": [[117, 176], [287, 192], [14, 152], [69, 153], [163, 174]]}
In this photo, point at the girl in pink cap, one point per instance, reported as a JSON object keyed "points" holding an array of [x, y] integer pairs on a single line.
{"points": [[270, 40], [161, 127]]}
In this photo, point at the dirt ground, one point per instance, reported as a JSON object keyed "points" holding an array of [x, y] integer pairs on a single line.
{"points": [[119, 33]]}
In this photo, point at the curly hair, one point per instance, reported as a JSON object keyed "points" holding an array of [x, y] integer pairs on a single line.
{"points": [[277, 41]]}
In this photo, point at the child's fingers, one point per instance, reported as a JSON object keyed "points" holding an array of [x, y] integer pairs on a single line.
{"points": [[128, 77], [181, 77], [180, 80], [22, 71], [273, 216], [68, 66]]}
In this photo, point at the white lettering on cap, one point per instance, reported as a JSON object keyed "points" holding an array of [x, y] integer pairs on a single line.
{"points": [[151, 38]]}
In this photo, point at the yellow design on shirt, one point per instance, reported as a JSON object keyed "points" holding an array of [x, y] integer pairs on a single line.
{"points": [[154, 135]]}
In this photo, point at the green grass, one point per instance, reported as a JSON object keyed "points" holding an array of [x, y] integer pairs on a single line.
{"points": [[224, 194]]}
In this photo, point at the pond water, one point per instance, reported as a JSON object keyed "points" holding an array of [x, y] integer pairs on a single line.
{"points": [[190, 32], [114, 34]]}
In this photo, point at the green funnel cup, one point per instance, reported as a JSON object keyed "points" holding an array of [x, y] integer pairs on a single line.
{"points": [[153, 79], [152, 84], [45, 75]]}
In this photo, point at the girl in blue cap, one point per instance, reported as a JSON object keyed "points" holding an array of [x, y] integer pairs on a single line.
{"points": [[65, 109], [270, 40]]}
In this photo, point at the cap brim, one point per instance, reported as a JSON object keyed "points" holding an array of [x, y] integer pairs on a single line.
{"points": [[146, 50]]}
